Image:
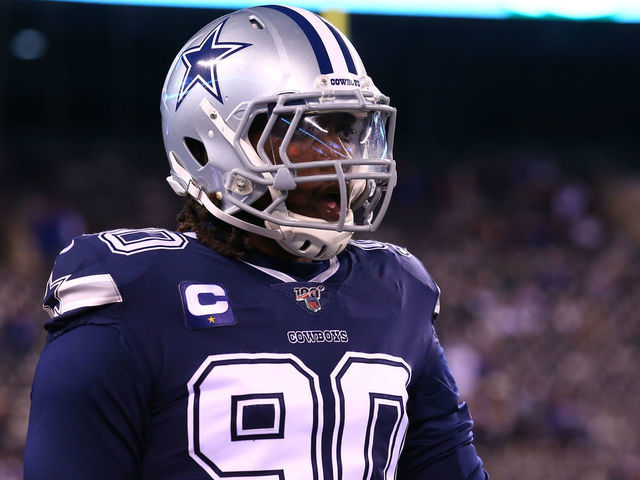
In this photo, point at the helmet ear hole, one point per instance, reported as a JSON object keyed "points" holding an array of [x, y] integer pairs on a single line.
{"points": [[197, 150]]}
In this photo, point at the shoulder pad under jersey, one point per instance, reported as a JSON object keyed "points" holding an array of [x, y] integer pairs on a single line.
{"points": [[83, 275], [401, 257]]}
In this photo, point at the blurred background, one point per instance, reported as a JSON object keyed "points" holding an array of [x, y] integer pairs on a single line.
{"points": [[518, 155]]}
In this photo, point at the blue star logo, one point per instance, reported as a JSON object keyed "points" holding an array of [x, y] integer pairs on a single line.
{"points": [[52, 298], [202, 64]]}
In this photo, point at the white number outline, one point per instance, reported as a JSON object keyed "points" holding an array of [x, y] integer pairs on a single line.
{"points": [[349, 358], [375, 401], [369, 244], [259, 358], [158, 239], [338, 372]]}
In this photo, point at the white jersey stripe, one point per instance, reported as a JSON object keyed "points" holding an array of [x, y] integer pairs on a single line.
{"points": [[89, 291], [334, 265]]}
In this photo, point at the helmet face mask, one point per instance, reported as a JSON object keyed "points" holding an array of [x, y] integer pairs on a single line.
{"points": [[330, 138]]}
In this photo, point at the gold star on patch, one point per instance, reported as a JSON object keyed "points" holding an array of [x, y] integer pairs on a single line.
{"points": [[212, 319]]}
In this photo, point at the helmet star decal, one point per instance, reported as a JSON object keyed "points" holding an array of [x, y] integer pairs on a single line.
{"points": [[202, 64]]}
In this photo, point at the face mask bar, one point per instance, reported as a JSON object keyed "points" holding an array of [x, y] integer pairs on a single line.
{"points": [[364, 170]]}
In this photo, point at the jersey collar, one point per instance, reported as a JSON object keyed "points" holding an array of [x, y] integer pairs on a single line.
{"points": [[296, 271], [323, 276]]}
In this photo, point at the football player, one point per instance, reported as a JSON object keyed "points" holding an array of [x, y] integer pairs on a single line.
{"points": [[259, 340]]}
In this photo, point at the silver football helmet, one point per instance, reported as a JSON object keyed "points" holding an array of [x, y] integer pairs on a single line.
{"points": [[267, 99]]}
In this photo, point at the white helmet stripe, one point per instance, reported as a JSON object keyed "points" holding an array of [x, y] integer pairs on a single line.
{"points": [[351, 66], [328, 38], [329, 53]]}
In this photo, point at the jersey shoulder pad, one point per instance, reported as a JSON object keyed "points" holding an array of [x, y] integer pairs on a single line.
{"points": [[399, 259], [368, 245], [85, 274], [388, 253]]}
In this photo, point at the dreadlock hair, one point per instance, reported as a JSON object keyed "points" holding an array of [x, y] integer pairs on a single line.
{"points": [[214, 233], [225, 239]]}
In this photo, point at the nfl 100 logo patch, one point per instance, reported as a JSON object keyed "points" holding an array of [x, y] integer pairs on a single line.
{"points": [[310, 296]]}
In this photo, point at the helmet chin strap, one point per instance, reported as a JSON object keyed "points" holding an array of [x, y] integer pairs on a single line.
{"points": [[311, 243], [183, 185]]}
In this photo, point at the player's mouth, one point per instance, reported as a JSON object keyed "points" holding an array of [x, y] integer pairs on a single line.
{"points": [[316, 199], [327, 201]]}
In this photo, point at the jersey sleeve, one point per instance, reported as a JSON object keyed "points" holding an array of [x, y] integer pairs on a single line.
{"points": [[89, 415], [80, 282], [439, 439]]}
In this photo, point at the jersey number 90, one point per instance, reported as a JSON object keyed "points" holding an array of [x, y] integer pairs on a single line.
{"points": [[262, 416]]}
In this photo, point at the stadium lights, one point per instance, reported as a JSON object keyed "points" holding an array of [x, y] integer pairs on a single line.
{"points": [[619, 11]]}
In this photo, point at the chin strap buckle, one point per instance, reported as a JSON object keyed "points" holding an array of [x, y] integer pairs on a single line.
{"points": [[181, 181]]}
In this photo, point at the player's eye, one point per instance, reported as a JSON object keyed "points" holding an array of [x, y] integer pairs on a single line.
{"points": [[346, 133]]}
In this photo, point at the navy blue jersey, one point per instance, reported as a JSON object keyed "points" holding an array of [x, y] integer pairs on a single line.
{"points": [[166, 360]]}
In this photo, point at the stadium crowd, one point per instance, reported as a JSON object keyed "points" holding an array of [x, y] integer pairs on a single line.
{"points": [[539, 267]]}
